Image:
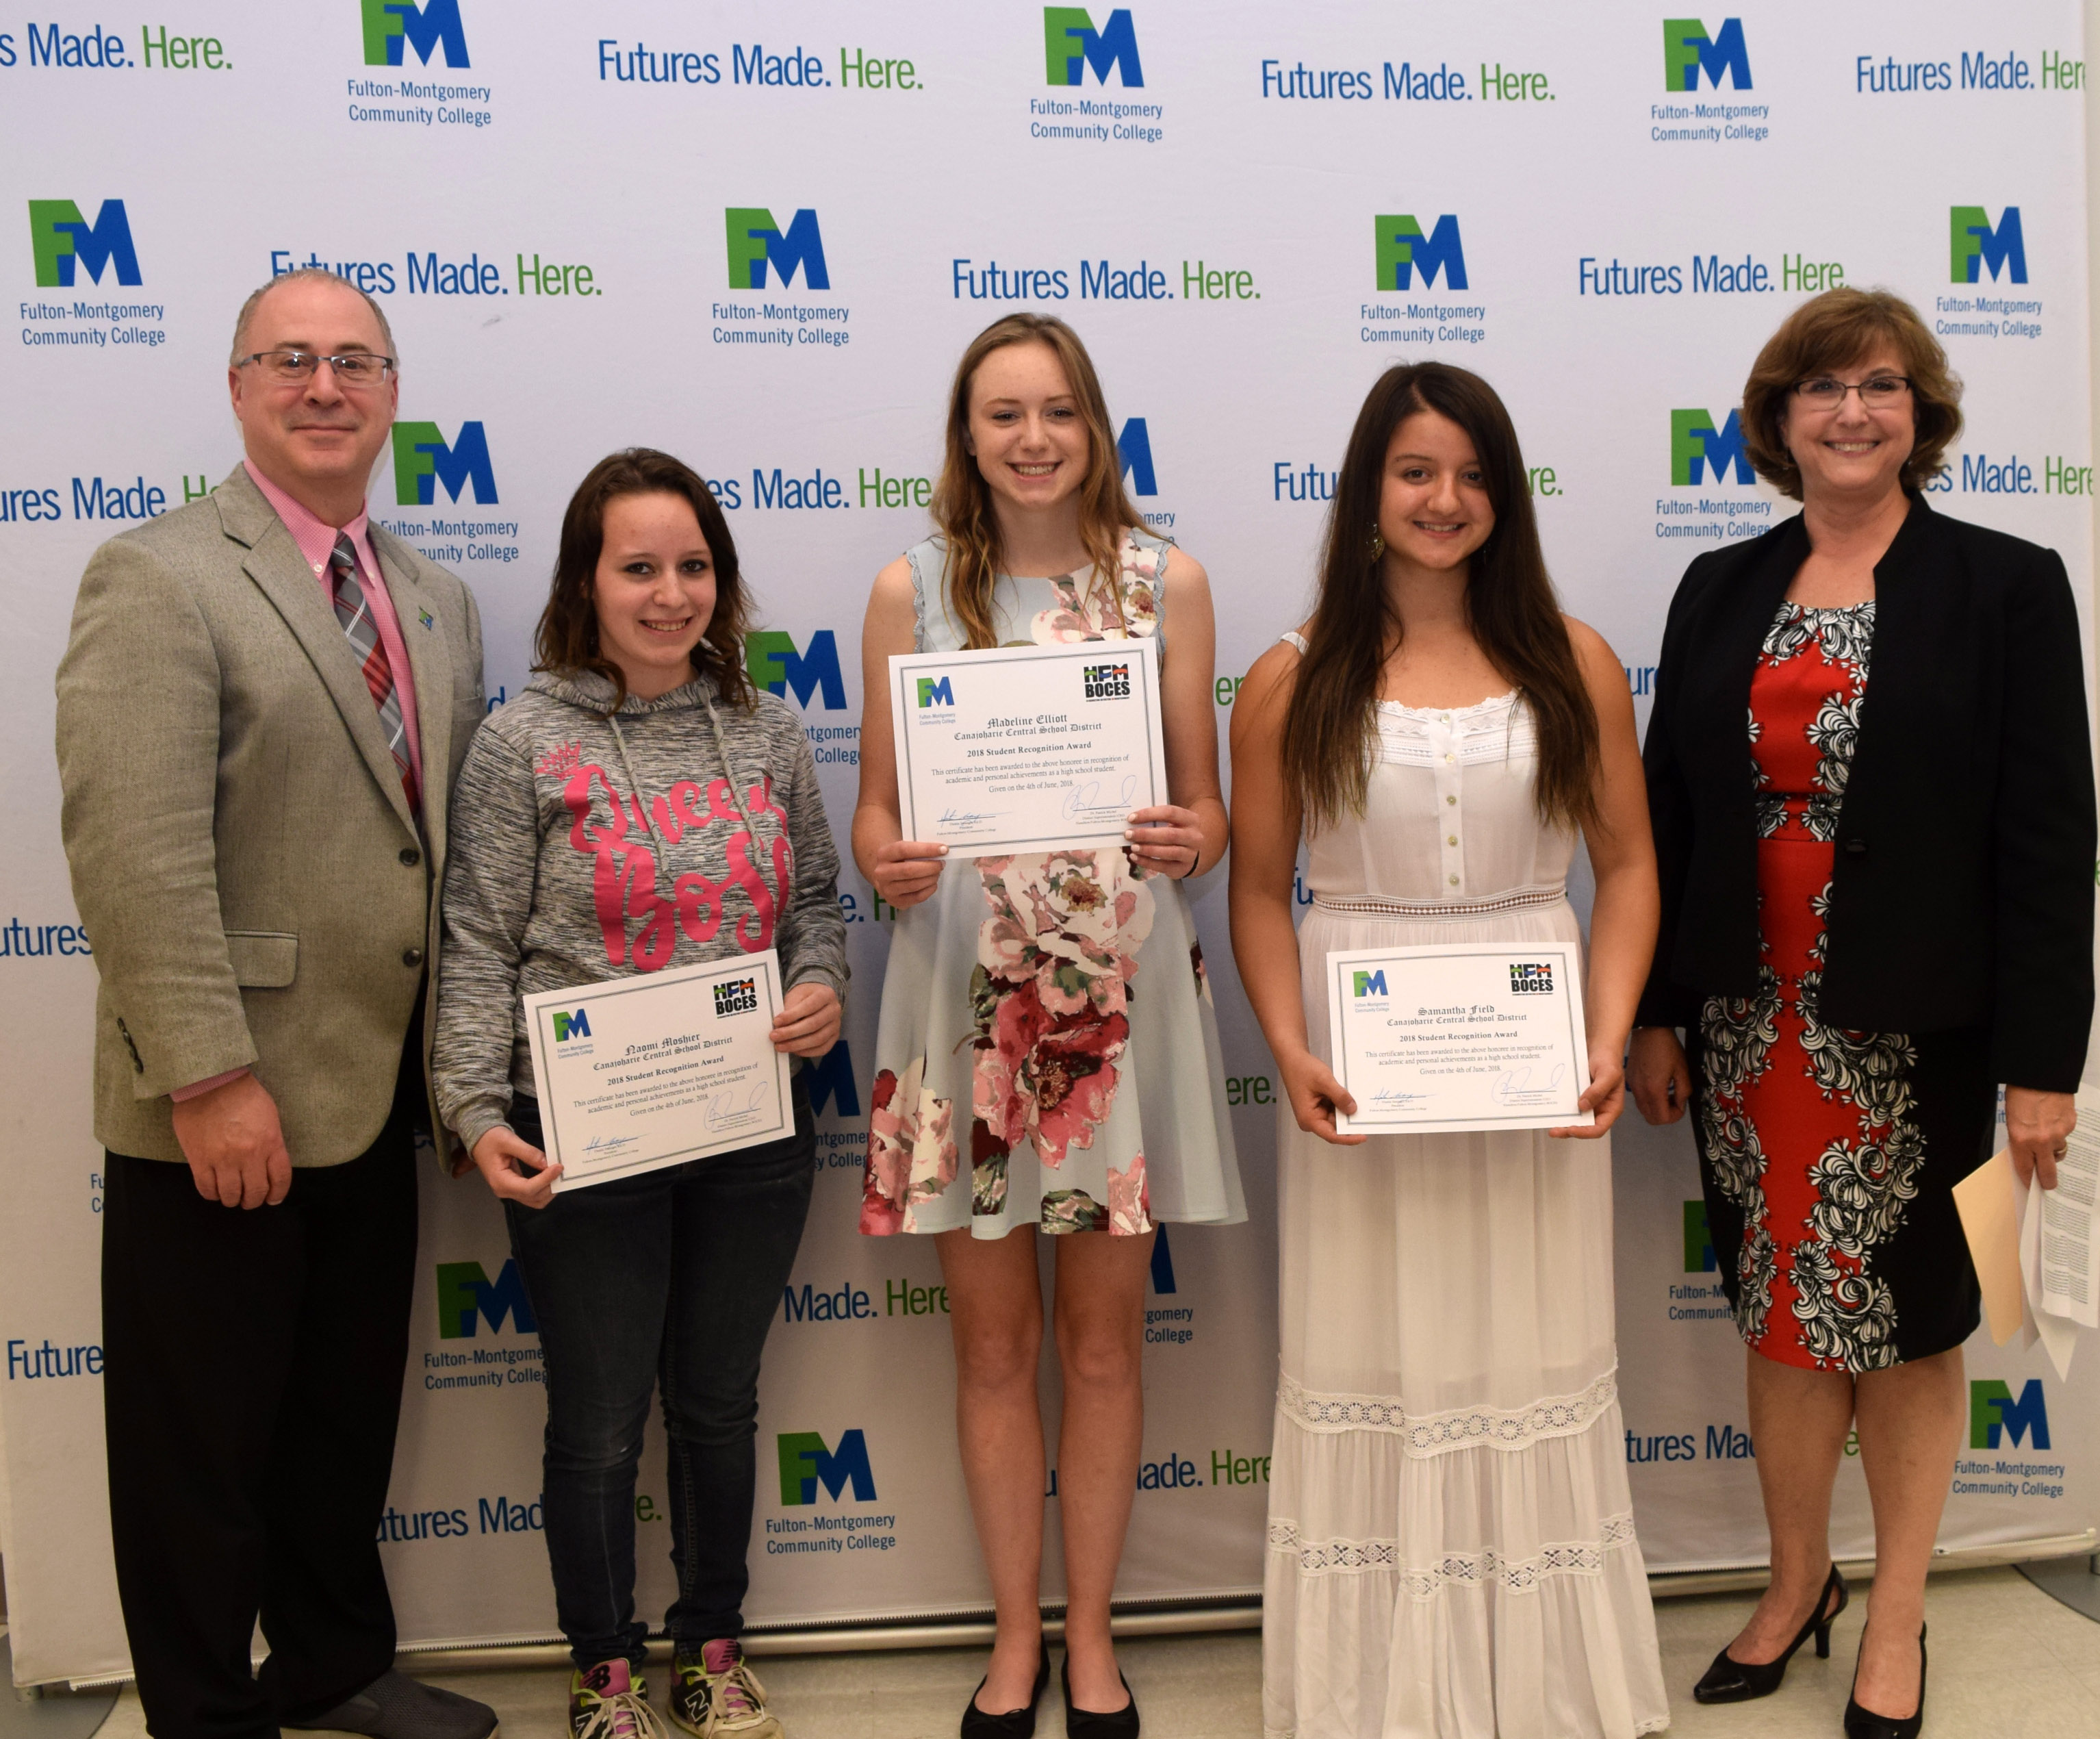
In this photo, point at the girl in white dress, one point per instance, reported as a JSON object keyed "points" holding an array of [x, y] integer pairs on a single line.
{"points": [[1451, 1547]]}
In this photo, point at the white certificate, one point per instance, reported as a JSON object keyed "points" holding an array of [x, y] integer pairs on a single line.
{"points": [[1027, 748], [652, 1070], [1459, 1035]]}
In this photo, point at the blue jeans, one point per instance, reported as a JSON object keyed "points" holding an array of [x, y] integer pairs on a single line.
{"points": [[669, 1279]]}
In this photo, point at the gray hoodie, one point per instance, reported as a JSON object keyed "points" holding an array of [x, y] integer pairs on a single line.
{"points": [[679, 831]]}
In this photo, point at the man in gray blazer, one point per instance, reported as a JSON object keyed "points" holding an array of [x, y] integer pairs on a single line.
{"points": [[261, 712]]}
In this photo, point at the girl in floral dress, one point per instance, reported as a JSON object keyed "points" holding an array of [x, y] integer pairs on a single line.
{"points": [[1047, 1057]]}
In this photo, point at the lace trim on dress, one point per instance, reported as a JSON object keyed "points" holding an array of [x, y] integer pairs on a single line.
{"points": [[1438, 1434], [1456, 1569], [1377, 905]]}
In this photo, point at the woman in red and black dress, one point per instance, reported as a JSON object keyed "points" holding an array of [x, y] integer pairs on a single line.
{"points": [[1872, 787]]}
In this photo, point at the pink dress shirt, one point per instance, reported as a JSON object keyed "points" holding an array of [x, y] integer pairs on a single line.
{"points": [[316, 541]]}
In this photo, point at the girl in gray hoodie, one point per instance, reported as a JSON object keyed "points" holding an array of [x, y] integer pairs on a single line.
{"points": [[639, 806]]}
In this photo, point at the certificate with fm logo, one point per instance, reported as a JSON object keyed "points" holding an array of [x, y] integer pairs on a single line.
{"points": [[638, 1073], [1027, 747], [1448, 1036]]}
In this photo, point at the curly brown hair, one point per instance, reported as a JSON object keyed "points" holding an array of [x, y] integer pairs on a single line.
{"points": [[1836, 330], [566, 640]]}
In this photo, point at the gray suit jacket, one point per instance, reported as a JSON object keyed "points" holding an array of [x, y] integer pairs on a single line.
{"points": [[243, 858]]}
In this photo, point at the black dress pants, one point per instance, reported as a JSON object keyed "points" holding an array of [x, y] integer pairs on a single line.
{"points": [[251, 1386]]}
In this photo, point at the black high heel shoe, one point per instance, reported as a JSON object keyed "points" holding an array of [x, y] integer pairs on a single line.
{"points": [[1087, 1724], [1015, 1723], [1863, 1723], [1733, 1681]]}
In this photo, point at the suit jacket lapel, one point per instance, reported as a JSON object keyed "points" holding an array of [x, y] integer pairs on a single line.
{"points": [[430, 665], [282, 574]]}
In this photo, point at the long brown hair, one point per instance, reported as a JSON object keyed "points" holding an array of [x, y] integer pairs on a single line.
{"points": [[1330, 729], [963, 501], [566, 640]]}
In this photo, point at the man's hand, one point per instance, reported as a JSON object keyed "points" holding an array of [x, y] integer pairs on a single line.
{"points": [[2037, 1124], [234, 1144]]}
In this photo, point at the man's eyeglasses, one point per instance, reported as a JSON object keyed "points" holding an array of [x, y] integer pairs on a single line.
{"points": [[1877, 392], [296, 367]]}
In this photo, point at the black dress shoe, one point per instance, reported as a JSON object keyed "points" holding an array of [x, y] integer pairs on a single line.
{"points": [[1728, 1680], [1015, 1724], [1863, 1723], [1086, 1723]]}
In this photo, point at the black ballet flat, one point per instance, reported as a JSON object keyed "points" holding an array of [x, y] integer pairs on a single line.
{"points": [[1087, 1724], [1015, 1724], [1863, 1723], [1732, 1681]]}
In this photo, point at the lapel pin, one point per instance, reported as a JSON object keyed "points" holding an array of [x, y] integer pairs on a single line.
{"points": [[427, 618]]}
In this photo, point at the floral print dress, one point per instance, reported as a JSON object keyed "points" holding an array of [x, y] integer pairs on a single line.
{"points": [[1815, 1137], [1048, 1054]]}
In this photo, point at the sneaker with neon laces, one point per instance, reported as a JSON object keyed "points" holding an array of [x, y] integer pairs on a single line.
{"points": [[719, 1697], [609, 1702]]}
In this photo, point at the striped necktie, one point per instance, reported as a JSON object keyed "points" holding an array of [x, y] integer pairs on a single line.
{"points": [[352, 611]]}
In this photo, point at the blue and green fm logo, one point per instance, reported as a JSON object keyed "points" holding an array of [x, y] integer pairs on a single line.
{"points": [[774, 664], [1369, 983], [807, 1462], [1688, 50], [1403, 250], [1995, 1414], [935, 692], [423, 459], [567, 1026], [63, 240], [1701, 452], [1977, 245], [1072, 46], [392, 25], [467, 1298], [755, 242]]}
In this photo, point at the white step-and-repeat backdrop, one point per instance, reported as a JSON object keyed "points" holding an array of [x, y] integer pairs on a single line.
{"points": [[759, 236]]}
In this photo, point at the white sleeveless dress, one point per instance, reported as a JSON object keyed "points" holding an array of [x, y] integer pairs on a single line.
{"points": [[1451, 1548]]}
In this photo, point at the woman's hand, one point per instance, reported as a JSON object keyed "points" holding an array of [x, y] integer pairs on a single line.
{"points": [[1659, 1073], [1314, 1095], [1606, 1096], [1166, 838], [908, 871], [516, 1171], [2037, 1125], [808, 1022]]}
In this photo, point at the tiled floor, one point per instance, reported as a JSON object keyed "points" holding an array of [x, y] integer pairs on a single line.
{"points": [[2007, 1661]]}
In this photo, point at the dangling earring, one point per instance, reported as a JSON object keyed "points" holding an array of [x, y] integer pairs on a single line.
{"points": [[1377, 544]]}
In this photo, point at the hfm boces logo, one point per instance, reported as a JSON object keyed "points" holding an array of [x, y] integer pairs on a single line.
{"points": [[806, 1463], [1403, 250], [755, 242], [1689, 50], [1975, 245], [391, 25], [423, 459], [63, 240], [1994, 1415], [1698, 448], [1072, 47]]}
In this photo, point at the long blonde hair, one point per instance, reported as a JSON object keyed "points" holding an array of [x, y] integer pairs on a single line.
{"points": [[962, 501]]}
